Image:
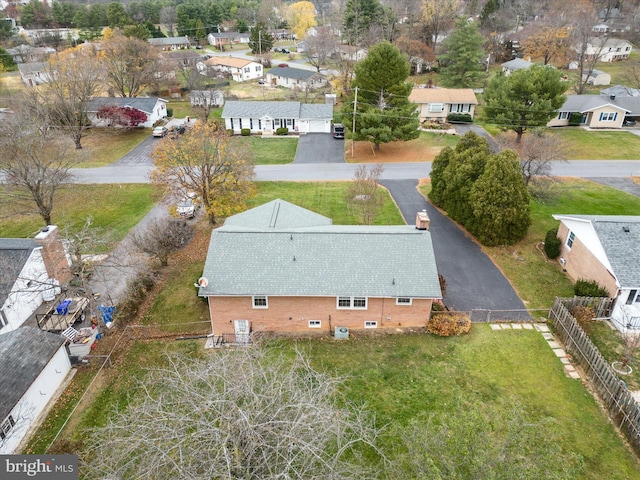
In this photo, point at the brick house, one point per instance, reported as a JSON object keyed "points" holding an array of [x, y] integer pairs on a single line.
{"points": [[605, 249], [281, 268]]}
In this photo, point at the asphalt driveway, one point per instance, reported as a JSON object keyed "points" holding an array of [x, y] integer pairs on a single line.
{"points": [[140, 154], [319, 148], [472, 280]]}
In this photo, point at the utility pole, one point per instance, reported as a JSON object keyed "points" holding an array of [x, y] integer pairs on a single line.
{"points": [[353, 127]]}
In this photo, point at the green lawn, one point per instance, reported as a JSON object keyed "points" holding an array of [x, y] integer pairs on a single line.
{"points": [[592, 145], [269, 151], [114, 209], [103, 146], [617, 70]]}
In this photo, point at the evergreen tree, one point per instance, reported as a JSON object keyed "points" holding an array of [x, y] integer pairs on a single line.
{"points": [[384, 112], [438, 184], [525, 99], [500, 201], [462, 63], [260, 40], [359, 16]]}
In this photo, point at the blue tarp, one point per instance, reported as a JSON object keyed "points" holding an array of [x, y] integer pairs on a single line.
{"points": [[106, 312]]}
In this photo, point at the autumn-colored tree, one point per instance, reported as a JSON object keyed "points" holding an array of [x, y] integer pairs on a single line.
{"points": [[206, 161], [417, 51], [301, 16], [121, 116], [75, 77], [131, 65], [548, 43]]}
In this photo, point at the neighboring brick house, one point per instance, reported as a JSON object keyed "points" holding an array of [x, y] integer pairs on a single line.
{"points": [[295, 78], [240, 69], [437, 103], [155, 108], [183, 58], [605, 249], [598, 111], [267, 117], [281, 268]]}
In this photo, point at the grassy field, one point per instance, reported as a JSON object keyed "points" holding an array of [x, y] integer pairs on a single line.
{"points": [[103, 146], [114, 209], [269, 151], [606, 145]]}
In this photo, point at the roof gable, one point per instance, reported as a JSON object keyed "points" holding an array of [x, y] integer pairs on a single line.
{"points": [[24, 353], [288, 72], [14, 253]]}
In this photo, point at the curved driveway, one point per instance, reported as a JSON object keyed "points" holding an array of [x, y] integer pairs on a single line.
{"points": [[472, 280]]}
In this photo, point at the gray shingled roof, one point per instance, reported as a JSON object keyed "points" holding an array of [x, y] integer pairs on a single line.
{"points": [[586, 103], [24, 353], [622, 248], [315, 258], [517, 64], [288, 72], [32, 67], [144, 104], [621, 91], [249, 109], [169, 41], [14, 253]]}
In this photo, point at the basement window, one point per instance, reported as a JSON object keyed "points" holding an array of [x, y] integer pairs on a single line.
{"points": [[6, 427], [315, 323], [370, 324]]}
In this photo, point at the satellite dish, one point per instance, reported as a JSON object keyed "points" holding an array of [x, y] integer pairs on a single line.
{"points": [[203, 282]]}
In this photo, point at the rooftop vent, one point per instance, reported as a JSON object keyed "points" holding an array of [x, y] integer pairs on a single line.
{"points": [[612, 97], [625, 229]]}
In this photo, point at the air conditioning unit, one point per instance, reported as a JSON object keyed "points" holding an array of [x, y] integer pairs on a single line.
{"points": [[341, 332]]}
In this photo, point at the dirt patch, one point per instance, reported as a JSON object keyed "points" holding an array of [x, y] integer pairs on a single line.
{"points": [[393, 152]]}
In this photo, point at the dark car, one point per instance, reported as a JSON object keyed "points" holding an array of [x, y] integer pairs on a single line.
{"points": [[629, 122], [284, 50], [338, 130]]}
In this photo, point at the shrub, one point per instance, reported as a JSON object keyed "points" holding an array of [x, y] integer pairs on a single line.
{"points": [[437, 307], [552, 243], [448, 324], [229, 131], [459, 118], [245, 132], [575, 119], [589, 288], [169, 112], [135, 294], [282, 131]]}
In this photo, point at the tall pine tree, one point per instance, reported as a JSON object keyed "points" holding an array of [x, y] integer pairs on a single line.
{"points": [[462, 61]]}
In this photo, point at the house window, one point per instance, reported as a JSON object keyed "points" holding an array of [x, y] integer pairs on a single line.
{"points": [[460, 108], [608, 116], [633, 296], [627, 49], [570, 239], [370, 324], [563, 115], [6, 427], [247, 69], [289, 123], [260, 301], [359, 303], [258, 68], [315, 323], [436, 107], [403, 301]]}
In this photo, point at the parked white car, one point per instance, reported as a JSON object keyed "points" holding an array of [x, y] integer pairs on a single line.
{"points": [[186, 208]]}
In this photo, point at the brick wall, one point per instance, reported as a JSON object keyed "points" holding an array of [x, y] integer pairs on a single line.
{"points": [[292, 314], [53, 254], [582, 264]]}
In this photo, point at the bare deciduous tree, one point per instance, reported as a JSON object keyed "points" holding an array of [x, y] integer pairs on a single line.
{"points": [[536, 152], [131, 65], [34, 166], [168, 18], [241, 413], [320, 47], [363, 197], [162, 237]]}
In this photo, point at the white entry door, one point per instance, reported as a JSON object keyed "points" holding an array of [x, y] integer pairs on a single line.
{"points": [[242, 331]]}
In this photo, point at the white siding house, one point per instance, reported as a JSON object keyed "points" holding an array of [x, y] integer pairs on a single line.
{"points": [[267, 117], [154, 108]]}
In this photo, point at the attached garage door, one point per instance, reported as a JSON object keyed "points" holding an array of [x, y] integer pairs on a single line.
{"points": [[319, 126]]}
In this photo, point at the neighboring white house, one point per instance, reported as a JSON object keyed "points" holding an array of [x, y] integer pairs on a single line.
{"points": [[598, 111], [352, 52], [171, 43], [222, 40], [33, 73], [240, 69], [35, 366], [514, 65], [605, 249], [209, 98], [608, 49], [155, 108], [597, 77], [267, 117], [295, 78], [31, 269]]}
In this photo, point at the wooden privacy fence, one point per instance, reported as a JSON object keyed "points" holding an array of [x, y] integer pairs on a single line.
{"points": [[601, 305], [621, 405]]}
